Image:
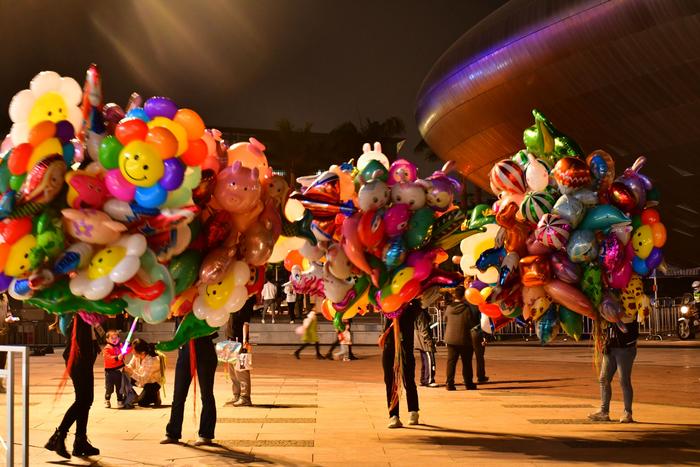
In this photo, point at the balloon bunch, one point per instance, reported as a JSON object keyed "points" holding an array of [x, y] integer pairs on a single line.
{"points": [[569, 239], [133, 211], [380, 233]]}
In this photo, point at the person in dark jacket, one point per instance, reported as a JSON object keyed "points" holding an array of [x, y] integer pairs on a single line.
{"points": [[425, 344], [619, 352], [80, 355], [203, 351], [387, 342], [458, 340]]}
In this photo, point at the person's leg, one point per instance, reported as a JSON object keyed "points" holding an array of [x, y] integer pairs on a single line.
{"points": [[388, 367], [607, 371], [423, 368], [301, 347], [409, 379], [290, 307], [72, 413], [85, 394], [206, 371], [479, 349], [467, 372], [318, 350], [117, 377], [625, 359], [243, 377], [183, 379], [452, 355], [431, 367], [235, 382], [329, 354], [109, 386]]}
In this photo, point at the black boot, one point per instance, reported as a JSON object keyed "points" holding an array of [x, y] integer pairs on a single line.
{"points": [[57, 444], [83, 448]]}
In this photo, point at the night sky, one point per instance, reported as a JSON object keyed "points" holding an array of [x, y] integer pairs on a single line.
{"points": [[242, 63]]}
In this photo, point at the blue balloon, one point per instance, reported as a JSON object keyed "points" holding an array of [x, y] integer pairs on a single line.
{"points": [[654, 258], [582, 246], [640, 266], [602, 217], [490, 257], [394, 253], [68, 153], [150, 197], [138, 112]]}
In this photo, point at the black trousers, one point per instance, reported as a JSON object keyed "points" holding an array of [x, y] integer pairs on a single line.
{"points": [[113, 380], [409, 375], [206, 370], [149, 395], [479, 350], [306, 344], [292, 308], [84, 385], [463, 352], [427, 367]]}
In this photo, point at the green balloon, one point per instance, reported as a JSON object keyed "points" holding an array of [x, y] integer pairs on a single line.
{"points": [[58, 300], [419, 228], [109, 152], [546, 142], [373, 166], [591, 283], [636, 221], [50, 239], [16, 181], [481, 215], [184, 269], [4, 176], [571, 322], [338, 321], [190, 328]]}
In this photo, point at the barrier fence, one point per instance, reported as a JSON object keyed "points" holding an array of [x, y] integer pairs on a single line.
{"points": [[660, 324]]}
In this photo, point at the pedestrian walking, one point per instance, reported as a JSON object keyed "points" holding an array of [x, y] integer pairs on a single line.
{"points": [[619, 352], [458, 340], [309, 335], [269, 296], [291, 301], [408, 364], [425, 345]]}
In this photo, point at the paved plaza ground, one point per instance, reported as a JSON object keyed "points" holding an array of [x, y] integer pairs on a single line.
{"points": [[310, 412]]}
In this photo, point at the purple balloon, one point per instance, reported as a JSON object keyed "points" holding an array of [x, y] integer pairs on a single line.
{"points": [[4, 282], [64, 131], [160, 107], [654, 258], [636, 186], [565, 269], [173, 174], [610, 308], [478, 285]]}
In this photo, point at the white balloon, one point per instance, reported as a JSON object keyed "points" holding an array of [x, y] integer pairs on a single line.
{"points": [[311, 252], [46, 81], [536, 175], [217, 318], [21, 104], [241, 273], [293, 210]]}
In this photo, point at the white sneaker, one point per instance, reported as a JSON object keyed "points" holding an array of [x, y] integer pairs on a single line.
{"points": [[413, 420], [433, 385], [263, 321], [599, 416], [108, 404], [394, 422], [626, 417]]}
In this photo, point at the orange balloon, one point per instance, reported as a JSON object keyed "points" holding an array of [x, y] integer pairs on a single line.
{"points": [[163, 140], [196, 152], [391, 303], [294, 258], [4, 253], [473, 296], [191, 122], [41, 132], [658, 234]]}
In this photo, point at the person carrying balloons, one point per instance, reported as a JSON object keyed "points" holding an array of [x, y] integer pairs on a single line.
{"points": [[619, 352]]}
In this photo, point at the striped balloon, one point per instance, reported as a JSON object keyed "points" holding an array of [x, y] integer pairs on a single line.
{"points": [[553, 231], [507, 176], [535, 205]]}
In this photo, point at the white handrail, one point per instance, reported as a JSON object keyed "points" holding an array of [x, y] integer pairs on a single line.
{"points": [[10, 383]]}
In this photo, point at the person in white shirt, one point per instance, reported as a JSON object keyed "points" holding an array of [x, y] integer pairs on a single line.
{"points": [[269, 296], [291, 301]]}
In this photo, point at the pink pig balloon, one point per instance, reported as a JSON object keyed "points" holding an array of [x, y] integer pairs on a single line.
{"points": [[238, 188]]}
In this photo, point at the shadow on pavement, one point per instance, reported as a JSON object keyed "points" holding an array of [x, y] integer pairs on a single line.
{"points": [[242, 458], [661, 446]]}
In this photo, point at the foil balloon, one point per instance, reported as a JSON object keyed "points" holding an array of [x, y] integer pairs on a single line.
{"points": [[371, 228], [602, 217], [571, 322], [256, 244], [602, 169], [396, 219], [238, 188], [373, 195], [394, 253], [582, 246], [507, 176], [569, 208], [420, 228], [548, 326], [509, 269], [534, 247], [480, 216], [536, 174], [612, 252], [553, 231], [592, 284], [534, 271], [619, 278], [569, 296], [338, 263], [564, 269], [336, 288], [622, 197], [370, 153], [535, 302], [153, 310], [535, 205], [412, 194], [402, 171], [610, 308], [354, 249], [571, 174]]}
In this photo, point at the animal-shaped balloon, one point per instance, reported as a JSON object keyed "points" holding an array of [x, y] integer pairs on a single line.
{"points": [[251, 155], [441, 189], [396, 219], [369, 154], [335, 288], [85, 190], [373, 195], [276, 188], [338, 263], [238, 188], [412, 194], [402, 171], [91, 226]]}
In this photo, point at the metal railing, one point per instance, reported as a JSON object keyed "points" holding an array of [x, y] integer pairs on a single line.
{"points": [[9, 374]]}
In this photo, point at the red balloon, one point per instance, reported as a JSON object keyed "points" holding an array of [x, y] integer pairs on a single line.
{"points": [[195, 154], [131, 129], [491, 310], [14, 229], [19, 158], [622, 197], [650, 216], [371, 228], [569, 296]]}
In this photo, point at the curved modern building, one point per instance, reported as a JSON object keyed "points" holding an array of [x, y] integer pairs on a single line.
{"points": [[618, 75]]}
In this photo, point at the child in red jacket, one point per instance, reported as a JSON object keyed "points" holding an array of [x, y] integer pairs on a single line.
{"points": [[114, 362]]}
